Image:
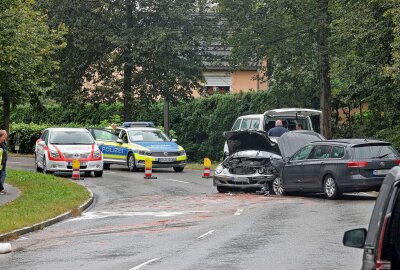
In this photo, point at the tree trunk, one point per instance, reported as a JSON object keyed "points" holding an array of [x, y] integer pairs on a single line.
{"points": [[324, 80], [6, 113], [127, 88]]}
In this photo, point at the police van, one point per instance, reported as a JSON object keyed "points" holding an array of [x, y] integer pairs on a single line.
{"points": [[133, 142]]}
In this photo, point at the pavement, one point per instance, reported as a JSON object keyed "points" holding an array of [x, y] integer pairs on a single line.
{"points": [[12, 194]]}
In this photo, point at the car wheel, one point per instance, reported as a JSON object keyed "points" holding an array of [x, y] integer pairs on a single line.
{"points": [[331, 189], [178, 169], [277, 186], [221, 189], [131, 163], [38, 169], [106, 166], [45, 171], [98, 173]]}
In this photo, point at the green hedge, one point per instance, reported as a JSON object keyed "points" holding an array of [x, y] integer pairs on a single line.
{"points": [[198, 124]]}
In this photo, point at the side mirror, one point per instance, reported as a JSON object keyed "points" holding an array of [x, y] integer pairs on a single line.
{"points": [[120, 141], [223, 134], [286, 159], [355, 238], [99, 142], [42, 143], [173, 140]]}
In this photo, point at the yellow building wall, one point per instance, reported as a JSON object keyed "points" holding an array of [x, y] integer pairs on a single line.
{"points": [[245, 80]]}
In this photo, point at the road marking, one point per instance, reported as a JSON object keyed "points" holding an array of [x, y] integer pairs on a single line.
{"points": [[204, 235], [238, 212], [106, 214], [22, 238], [367, 194], [178, 181], [144, 264]]}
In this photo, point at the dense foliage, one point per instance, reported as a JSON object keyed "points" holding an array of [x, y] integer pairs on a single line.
{"points": [[197, 125]]}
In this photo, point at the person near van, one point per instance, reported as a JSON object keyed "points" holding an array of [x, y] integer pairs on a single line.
{"points": [[3, 160], [278, 130], [299, 126]]}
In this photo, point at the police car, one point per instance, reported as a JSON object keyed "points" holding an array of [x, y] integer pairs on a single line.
{"points": [[133, 142]]}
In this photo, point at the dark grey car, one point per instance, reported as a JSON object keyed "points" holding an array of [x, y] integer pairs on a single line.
{"points": [[381, 243], [336, 166]]}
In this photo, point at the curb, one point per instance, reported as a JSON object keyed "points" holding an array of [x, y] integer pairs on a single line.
{"points": [[41, 225]]}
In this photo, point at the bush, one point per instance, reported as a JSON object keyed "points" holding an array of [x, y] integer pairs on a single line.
{"points": [[28, 134], [391, 135]]}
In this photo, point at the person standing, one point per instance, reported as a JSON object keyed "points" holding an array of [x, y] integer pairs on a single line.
{"points": [[278, 130], [3, 159]]}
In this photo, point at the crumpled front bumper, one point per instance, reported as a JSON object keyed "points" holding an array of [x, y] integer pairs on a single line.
{"points": [[253, 181]]}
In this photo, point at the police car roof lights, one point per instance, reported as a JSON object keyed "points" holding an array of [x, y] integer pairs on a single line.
{"points": [[138, 124]]}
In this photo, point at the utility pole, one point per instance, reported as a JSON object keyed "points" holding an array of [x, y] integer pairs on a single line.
{"points": [[166, 116]]}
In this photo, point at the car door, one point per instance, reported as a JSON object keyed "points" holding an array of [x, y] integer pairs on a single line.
{"points": [[113, 150], [40, 150], [292, 173], [393, 239], [314, 167]]}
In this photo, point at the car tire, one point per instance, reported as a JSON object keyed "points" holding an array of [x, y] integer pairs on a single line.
{"points": [[45, 171], [178, 169], [106, 166], [98, 173], [88, 173], [278, 187], [131, 163], [221, 189], [38, 169], [331, 189]]}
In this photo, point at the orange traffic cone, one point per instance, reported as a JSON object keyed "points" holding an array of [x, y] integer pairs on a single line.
{"points": [[207, 168], [76, 174], [148, 171]]}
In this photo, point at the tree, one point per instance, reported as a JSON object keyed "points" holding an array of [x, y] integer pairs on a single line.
{"points": [[26, 56], [143, 49]]}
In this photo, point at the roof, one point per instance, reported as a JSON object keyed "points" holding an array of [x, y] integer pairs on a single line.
{"points": [[68, 129], [140, 128]]}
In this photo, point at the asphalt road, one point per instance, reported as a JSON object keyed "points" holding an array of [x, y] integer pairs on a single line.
{"points": [[179, 221]]}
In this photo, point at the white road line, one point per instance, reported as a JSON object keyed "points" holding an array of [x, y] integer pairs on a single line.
{"points": [[204, 235], [364, 193], [144, 264], [178, 181], [238, 212]]}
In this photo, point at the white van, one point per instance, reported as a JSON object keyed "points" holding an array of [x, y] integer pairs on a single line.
{"points": [[308, 118]]}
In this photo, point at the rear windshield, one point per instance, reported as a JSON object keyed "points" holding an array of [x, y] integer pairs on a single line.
{"points": [[71, 137], [289, 123], [374, 151]]}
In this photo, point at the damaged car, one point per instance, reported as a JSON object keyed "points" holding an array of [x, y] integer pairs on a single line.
{"points": [[256, 161]]}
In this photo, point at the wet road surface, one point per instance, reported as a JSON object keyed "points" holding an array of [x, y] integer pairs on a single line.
{"points": [[179, 221]]}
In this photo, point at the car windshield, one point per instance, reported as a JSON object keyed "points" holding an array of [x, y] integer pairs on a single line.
{"points": [[374, 151], [148, 135], [71, 137]]}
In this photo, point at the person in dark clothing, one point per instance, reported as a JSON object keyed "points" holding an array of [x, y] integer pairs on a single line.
{"points": [[278, 130], [3, 159]]}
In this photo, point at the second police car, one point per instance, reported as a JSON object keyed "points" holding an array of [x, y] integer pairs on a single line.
{"points": [[133, 142]]}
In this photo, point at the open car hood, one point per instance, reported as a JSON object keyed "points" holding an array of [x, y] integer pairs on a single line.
{"points": [[292, 112], [290, 142], [243, 140]]}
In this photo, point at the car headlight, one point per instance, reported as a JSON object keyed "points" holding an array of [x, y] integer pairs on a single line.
{"points": [[145, 153], [54, 154], [97, 154], [219, 169], [182, 153]]}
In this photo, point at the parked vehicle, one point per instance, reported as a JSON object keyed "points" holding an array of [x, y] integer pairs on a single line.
{"points": [[381, 242], [254, 160], [290, 117], [133, 142], [334, 166], [58, 147]]}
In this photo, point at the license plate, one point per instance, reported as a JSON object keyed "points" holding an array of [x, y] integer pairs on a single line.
{"points": [[380, 172], [244, 180], [82, 163], [166, 159]]}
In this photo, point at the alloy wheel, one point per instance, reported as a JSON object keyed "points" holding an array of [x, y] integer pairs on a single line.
{"points": [[277, 186]]}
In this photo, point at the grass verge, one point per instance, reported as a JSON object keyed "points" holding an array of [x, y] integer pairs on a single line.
{"points": [[198, 166], [42, 197]]}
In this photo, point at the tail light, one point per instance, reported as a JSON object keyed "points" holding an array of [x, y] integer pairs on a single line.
{"points": [[357, 164], [382, 264], [397, 162]]}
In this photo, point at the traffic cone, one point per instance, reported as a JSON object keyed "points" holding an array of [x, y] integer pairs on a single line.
{"points": [[76, 174], [148, 171], [207, 168]]}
